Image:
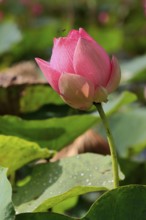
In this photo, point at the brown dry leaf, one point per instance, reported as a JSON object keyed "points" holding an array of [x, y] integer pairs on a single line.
{"points": [[20, 74], [90, 141], [13, 82]]}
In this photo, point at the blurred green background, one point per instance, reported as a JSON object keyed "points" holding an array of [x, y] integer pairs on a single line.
{"points": [[27, 28]]}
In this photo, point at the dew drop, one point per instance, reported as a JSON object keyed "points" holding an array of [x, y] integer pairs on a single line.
{"points": [[110, 181]]}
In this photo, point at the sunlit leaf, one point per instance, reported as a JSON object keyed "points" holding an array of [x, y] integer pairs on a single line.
{"points": [[16, 152], [6, 206], [126, 203], [37, 96], [54, 182], [65, 205]]}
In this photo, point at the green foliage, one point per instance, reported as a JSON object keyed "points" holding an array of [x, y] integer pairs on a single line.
{"points": [[6, 206], [133, 71], [65, 205], [16, 152], [46, 186], [116, 102], [114, 36], [45, 33], [112, 206], [42, 216], [126, 203], [128, 130], [54, 182], [53, 133], [39, 96], [10, 34]]}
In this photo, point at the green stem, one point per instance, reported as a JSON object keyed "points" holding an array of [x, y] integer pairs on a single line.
{"points": [[111, 144]]}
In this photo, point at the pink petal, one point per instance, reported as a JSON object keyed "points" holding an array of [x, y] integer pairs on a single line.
{"points": [[76, 34], [85, 35], [73, 34], [101, 51], [115, 76], [89, 62], [51, 75], [100, 95], [62, 54], [76, 91]]}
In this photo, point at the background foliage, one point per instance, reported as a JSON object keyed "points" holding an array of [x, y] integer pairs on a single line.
{"points": [[35, 123]]}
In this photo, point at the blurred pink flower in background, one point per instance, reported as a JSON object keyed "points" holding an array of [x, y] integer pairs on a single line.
{"points": [[1, 15], [80, 70], [103, 17], [37, 9]]}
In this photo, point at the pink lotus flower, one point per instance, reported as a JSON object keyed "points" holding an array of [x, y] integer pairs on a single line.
{"points": [[80, 71]]}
